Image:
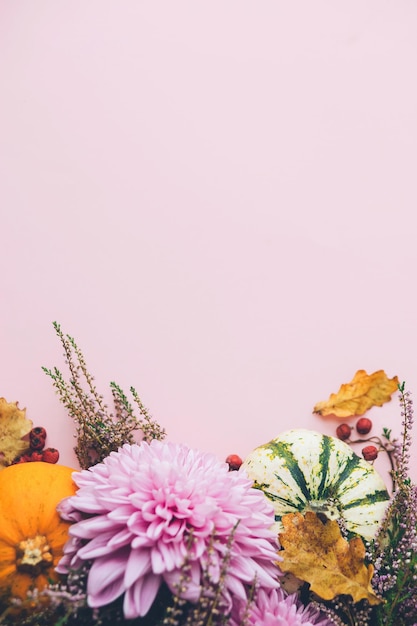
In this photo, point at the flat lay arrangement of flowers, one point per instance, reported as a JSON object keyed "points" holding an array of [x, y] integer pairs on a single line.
{"points": [[302, 531]]}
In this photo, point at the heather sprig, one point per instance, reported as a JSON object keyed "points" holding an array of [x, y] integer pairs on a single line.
{"points": [[394, 550], [395, 560], [98, 430], [403, 454], [207, 611]]}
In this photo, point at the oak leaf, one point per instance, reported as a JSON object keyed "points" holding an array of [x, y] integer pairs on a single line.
{"points": [[317, 553], [362, 393], [13, 426]]}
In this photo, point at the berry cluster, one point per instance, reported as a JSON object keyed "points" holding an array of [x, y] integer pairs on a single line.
{"points": [[363, 427], [375, 444], [37, 450]]}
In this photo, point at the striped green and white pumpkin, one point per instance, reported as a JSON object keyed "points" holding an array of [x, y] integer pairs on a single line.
{"points": [[303, 470]]}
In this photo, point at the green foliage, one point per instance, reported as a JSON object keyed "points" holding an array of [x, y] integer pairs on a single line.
{"points": [[99, 431]]}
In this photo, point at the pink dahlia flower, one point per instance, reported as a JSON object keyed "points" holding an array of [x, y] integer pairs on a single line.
{"points": [[148, 509], [275, 608]]}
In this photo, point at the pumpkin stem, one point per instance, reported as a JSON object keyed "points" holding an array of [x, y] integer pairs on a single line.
{"points": [[33, 555]]}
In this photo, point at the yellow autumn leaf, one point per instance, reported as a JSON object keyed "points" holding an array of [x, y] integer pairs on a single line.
{"points": [[362, 393], [317, 553], [13, 426]]}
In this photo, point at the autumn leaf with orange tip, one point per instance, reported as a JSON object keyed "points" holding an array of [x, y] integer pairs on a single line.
{"points": [[317, 553], [363, 392]]}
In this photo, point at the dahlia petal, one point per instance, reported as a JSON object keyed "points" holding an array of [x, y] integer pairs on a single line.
{"points": [[148, 501], [108, 500], [97, 547], [141, 541], [174, 528], [147, 512], [164, 513], [274, 608], [158, 563], [267, 574], [89, 528], [88, 504], [70, 559], [105, 580], [165, 558], [140, 596], [122, 513], [243, 568], [121, 538], [67, 511], [137, 565], [235, 586], [192, 589]]}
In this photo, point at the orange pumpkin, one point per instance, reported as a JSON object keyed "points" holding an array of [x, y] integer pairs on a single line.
{"points": [[32, 534]]}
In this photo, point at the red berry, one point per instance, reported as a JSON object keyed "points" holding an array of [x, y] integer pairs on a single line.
{"points": [[50, 455], [38, 431], [23, 458], [343, 431], [363, 426], [369, 453], [234, 461], [35, 455], [37, 443]]}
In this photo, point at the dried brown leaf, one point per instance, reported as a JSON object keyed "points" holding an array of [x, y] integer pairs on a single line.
{"points": [[13, 426], [362, 393], [317, 553]]}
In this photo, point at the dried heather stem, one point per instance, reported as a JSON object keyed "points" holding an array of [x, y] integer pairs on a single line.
{"points": [[98, 431], [150, 428], [394, 550]]}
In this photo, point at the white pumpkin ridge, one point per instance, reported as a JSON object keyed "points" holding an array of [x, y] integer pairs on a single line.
{"points": [[303, 470]]}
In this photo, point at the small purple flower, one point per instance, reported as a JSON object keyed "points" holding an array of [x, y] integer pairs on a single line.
{"points": [[275, 608], [149, 512]]}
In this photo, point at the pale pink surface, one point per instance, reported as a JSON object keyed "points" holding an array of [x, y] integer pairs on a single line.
{"points": [[216, 199]]}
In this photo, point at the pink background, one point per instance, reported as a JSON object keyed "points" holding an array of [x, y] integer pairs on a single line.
{"points": [[217, 199]]}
